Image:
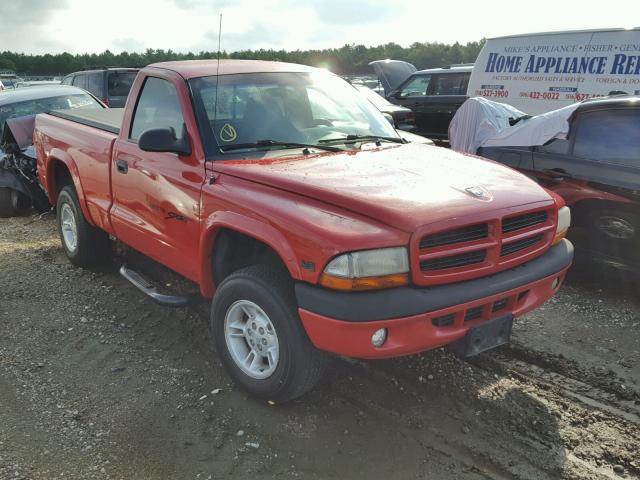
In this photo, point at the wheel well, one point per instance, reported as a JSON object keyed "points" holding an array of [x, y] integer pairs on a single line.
{"points": [[234, 250], [581, 210], [61, 177]]}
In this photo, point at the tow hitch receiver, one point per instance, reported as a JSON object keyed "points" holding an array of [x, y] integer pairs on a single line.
{"points": [[486, 336]]}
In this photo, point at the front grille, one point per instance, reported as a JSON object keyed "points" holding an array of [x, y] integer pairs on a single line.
{"points": [[523, 221], [459, 235], [453, 261], [473, 314], [513, 247]]}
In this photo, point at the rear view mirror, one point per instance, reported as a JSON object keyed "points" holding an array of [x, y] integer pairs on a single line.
{"points": [[164, 140]]}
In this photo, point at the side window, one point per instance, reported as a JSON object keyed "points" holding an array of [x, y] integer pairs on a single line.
{"points": [[67, 80], [158, 107], [557, 146], [80, 81], [609, 136], [95, 84], [450, 84], [417, 87]]}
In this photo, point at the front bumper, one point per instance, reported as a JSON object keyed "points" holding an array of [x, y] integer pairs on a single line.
{"points": [[419, 319]]}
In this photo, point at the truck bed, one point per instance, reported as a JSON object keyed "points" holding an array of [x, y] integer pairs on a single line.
{"points": [[108, 119]]}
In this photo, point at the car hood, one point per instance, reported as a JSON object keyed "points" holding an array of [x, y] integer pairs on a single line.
{"points": [[404, 186]]}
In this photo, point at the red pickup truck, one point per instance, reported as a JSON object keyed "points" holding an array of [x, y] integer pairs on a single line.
{"points": [[295, 206]]}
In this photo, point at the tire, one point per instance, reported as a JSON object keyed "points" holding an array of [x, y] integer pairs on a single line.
{"points": [[615, 233], [84, 245], [299, 365], [12, 202]]}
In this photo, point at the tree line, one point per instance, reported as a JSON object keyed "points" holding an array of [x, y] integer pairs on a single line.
{"points": [[347, 60]]}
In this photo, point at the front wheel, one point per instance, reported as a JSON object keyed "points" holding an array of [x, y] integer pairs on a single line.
{"points": [[259, 335]]}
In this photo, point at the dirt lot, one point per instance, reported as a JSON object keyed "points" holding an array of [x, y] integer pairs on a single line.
{"points": [[98, 382]]}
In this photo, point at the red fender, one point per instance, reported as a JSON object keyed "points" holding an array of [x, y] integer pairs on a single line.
{"points": [[247, 226]]}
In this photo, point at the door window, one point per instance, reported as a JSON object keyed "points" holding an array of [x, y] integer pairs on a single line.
{"points": [[416, 87], [158, 107], [95, 84], [80, 81], [450, 84], [609, 136]]}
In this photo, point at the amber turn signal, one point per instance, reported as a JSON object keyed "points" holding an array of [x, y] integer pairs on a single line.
{"points": [[365, 283], [559, 236]]}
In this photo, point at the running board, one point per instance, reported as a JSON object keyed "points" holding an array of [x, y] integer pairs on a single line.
{"points": [[146, 287]]}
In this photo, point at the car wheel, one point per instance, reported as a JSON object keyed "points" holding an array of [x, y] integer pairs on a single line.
{"points": [[615, 233], [12, 202], [259, 335], [84, 244]]}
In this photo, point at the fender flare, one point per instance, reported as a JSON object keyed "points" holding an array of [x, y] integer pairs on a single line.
{"points": [[248, 226], [56, 155]]}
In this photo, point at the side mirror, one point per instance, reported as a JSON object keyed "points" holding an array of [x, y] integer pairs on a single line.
{"points": [[389, 119], [164, 140]]}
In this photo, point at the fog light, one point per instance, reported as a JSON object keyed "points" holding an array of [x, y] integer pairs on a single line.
{"points": [[379, 337], [555, 283]]}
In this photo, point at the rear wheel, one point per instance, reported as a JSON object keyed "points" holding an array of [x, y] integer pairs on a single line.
{"points": [[12, 202], [84, 244], [259, 335]]}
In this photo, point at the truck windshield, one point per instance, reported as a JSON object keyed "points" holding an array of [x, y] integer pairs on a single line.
{"points": [[294, 108]]}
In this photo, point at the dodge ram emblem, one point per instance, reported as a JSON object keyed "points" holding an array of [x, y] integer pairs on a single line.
{"points": [[478, 192]]}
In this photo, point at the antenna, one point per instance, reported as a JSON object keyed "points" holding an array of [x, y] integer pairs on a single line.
{"points": [[215, 108]]}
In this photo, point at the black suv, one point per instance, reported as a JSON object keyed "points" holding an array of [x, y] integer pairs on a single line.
{"points": [[434, 95], [111, 85], [596, 169]]}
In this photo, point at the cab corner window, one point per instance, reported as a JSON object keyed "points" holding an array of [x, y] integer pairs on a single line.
{"points": [[557, 146], [158, 107]]}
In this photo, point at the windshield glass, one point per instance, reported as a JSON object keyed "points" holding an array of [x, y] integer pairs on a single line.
{"points": [[378, 101], [302, 108], [41, 105]]}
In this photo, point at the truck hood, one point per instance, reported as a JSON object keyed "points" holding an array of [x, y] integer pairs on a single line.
{"points": [[403, 186]]}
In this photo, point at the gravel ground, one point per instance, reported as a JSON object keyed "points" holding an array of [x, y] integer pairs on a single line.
{"points": [[96, 382]]}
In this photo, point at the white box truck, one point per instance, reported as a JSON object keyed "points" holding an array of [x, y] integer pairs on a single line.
{"points": [[540, 72]]}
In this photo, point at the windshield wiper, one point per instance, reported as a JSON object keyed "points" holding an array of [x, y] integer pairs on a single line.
{"points": [[357, 138], [267, 142]]}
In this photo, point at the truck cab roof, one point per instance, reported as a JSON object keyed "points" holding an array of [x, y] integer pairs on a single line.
{"points": [[189, 69]]}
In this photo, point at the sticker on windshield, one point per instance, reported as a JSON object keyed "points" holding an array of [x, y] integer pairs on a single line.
{"points": [[228, 133]]}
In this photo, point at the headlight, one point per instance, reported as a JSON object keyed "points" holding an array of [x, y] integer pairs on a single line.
{"points": [[368, 269], [564, 222]]}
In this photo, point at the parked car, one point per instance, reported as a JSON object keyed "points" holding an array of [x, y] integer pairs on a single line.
{"points": [[403, 118], [596, 169], [19, 186], [433, 95], [110, 85], [293, 204]]}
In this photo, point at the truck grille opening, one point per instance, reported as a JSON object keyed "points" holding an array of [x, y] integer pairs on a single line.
{"points": [[459, 235], [523, 221], [444, 320], [473, 313], [452, 261], [499, 305], [513, 247]]}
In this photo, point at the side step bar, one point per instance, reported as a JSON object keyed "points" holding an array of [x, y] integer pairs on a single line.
{"points": [[146, 287]]}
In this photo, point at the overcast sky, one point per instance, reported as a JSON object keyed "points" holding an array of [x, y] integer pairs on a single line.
{"points": [[78, 26]]}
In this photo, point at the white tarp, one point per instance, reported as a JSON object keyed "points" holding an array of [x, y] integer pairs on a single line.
{"points": [[482, 123]]}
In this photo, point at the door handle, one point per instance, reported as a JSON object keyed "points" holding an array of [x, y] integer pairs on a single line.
{"points": [[557, 174], [122, 166]]}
